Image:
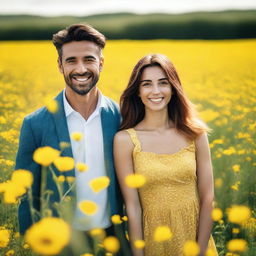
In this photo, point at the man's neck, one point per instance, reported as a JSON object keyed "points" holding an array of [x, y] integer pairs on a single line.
{"points": [[83, 104]]}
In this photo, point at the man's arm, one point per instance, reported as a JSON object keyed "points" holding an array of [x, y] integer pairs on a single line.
{"points": [[24, 160]]}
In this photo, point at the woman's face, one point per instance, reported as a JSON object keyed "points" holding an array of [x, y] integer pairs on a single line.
{"points": [[155, 90]]}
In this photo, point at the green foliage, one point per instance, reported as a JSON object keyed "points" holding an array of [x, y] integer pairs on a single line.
{"points": [[198, 25]]}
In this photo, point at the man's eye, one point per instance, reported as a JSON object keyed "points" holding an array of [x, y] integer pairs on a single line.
{"points": [[70, 61]]}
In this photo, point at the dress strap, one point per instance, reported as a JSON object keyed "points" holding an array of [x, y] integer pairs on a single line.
{"points": [[134, 138]]}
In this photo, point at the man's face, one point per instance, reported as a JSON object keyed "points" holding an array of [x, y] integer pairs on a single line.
{"points": [[81, 64]]}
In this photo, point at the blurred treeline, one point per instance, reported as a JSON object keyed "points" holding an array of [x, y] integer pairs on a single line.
{"points": [[197, 25]]}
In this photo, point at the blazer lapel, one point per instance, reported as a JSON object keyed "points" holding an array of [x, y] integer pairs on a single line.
{"points": [[62, 130]]}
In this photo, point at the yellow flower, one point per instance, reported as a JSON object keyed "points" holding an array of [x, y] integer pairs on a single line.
{"points": [[250, 226], [236, 186], [210, 252], [48, 236], [45, 155], [88, 207], [51, 105], [22, 178], [64, 145], [218, 182], [64, 163], [26, 246], [229, 151], [111, 244], [162, 233], [139, 244], [237, 245], [81, 167], [116, 219], [235, 230], [99, 183], [135, 180], [77, 136], [217, 214], [10, 253], [61, 178], [191, 248], [4, 237], [238, 214], [17, 234], [11, 191], [70, 179], [236, 168], [87, 254], [98, 232], [125, 218]]}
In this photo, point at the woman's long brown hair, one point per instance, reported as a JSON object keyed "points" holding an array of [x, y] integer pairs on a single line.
{"points": [[180, 109]]}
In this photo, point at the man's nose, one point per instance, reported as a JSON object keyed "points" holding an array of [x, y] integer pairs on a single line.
{"points": [[81, 68]]}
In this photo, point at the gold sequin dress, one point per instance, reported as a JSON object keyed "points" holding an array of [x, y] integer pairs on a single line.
{"points": [[169, 197]]}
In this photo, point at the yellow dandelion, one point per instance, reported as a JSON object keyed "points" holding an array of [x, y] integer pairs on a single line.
{"points": [[4, 237], [238, 214], [88, 207], [139, 244], [191, 248], [10, 252], [22, 178], [237, 245], [87, 254], [217, 214], [45, 155], [98, 232], [64, 145], [64, 163], [162, 233], [116, 219], [125, 218], [236, 168], [235, 230], [99, 183], [135, 180], [70, 179], [51, 105], [17, 234], [218, 182], [229, 151], [26, 246], [235, 187], [210, 252], [61, 178], [48, 236], [77, 136], [111, 244], [81, 167]]}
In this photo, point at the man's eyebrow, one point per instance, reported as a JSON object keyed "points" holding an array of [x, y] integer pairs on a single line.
{"points": [[70, 58]]}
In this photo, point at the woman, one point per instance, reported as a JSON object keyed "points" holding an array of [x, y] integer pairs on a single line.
{"points": [[162, 139]]}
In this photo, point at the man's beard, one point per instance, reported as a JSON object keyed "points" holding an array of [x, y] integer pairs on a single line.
{"points": [[83, 89]]}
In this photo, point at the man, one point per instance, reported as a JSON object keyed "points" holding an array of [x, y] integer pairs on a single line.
{"points": [[82, 108]]}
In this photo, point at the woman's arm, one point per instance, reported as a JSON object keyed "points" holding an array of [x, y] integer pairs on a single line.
{"points": [[205, 189], [123, 148]]}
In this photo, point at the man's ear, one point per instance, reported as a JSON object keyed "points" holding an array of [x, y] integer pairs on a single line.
{"points": [[60, 65], [101, 63]]}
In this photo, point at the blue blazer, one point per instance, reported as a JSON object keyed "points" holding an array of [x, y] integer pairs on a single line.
{"points": [[42, 128]]}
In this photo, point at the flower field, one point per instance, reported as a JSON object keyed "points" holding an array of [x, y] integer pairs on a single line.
{"points": [[218, 76]]}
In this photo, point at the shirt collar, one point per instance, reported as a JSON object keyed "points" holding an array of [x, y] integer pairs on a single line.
{"points": [[69, 110]]}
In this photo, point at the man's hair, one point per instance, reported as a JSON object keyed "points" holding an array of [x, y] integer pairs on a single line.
{"points": [[78, 32]]}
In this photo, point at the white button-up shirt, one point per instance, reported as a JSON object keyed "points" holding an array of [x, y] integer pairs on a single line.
{"points": [[89, 150]]}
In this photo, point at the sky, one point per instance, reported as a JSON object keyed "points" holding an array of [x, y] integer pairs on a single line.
{"points": [[89, 7]]}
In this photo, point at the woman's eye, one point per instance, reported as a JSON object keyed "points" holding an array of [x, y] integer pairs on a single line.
{"points": [[146, 84]]}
